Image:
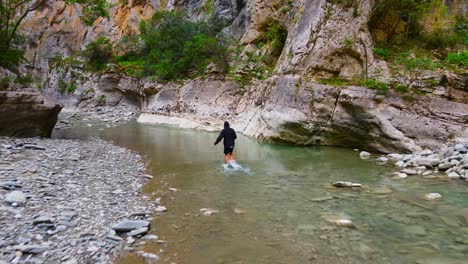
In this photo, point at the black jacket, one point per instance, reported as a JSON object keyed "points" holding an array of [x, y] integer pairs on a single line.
{"points": [[228, 134]]}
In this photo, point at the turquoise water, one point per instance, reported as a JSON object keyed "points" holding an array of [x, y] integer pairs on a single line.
{"points": [[282, 208]]}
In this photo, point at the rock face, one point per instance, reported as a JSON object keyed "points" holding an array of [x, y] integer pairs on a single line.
{"points": [[325, 40], [23, 113]]}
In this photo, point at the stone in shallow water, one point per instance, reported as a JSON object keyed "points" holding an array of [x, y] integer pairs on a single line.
{"points": [[346, 184], [208, 211], [382, 159], [127, 226], [34, 147], [364, 155], [161, 209], [16, 197], [432, 196], [382, 190], [344, 222], [139, 231], [453, 175], [416, 230]]}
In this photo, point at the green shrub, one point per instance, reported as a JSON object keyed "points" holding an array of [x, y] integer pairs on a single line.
{"points": [[401, 88], [24, 80], [380, 87], [10, 57], [382, 53], [4, 83], [101, 100], [460, 58], [176, 47], [412, 62], [274, 34], [334, 81], [98, 53]]}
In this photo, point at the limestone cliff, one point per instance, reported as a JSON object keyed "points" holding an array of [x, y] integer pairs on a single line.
{"points": [[325, 40]]}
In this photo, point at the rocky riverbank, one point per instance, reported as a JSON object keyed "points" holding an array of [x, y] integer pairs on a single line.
{"points": [[447, 162], [70, 201]]}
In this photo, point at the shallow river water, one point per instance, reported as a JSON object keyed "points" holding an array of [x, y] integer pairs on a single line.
{"points": [[280, 209]]}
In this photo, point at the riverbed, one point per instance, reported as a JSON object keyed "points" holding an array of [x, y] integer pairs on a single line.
{"points": [[280, 207]]}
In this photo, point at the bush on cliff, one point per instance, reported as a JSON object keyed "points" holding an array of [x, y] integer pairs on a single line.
{"points": [[176, 47], [98, 53]]}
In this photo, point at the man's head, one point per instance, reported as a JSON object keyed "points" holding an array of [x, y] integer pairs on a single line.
{"points": [[226, 124]]}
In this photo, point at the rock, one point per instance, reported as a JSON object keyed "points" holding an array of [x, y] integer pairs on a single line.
{"points": [[45, 219], [32, 249], [208, 211], [364, 155], [426, 173], [394, 156], [445, 166], [426, 152], [127, 226], [453, 175], [34, 147], [173, 189], [382, 159], [114, 238], [151, 237], [401, 175], [345, 184], [409, 172], [17, 197], [427, 162], [160, 209], [344, 222], [68, 172], [138, 232], [150, 257], [400, 163], [432, 196]]}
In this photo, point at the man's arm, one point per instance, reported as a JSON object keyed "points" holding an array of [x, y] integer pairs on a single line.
{"points": [[221, 135], [235, 135]]}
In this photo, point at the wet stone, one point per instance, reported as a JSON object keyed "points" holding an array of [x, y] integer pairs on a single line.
{"points": [[127, 226]]}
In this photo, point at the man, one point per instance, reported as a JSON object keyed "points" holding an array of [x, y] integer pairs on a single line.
{"points": [[229, 136]]}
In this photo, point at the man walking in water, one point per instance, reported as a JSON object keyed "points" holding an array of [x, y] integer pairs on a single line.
{"points": [[229, 136]]}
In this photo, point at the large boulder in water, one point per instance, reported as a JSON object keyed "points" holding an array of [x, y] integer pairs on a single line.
{"points": [[23, 113]]}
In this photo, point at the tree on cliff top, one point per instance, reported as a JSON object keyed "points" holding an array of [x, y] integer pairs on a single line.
{"points": [[13, 13]]}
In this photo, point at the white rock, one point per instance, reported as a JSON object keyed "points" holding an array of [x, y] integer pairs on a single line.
{"points": [[344, 222], [433, 196], [364, 155], [395, 156], [453, 175], [382, 159], [409, 171], [401, 175], [426, 152], [150, 257], [400, 163], [426, 173], [17, 197], [161, 209], [208, 211]]}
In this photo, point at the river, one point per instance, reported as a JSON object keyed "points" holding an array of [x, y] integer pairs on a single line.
{"points": [[280, 208]]}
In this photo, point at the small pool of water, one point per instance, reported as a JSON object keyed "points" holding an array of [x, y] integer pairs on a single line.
{"points": [[280, 210]]}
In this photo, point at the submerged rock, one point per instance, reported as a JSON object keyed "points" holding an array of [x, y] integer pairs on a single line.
{"points": [[345, 184], [364, 155], [432, 196], [208, 211], [344, 222]]}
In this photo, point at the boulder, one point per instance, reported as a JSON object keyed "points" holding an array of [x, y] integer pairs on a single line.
{"points": [[23, 113], [340, 184]]}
